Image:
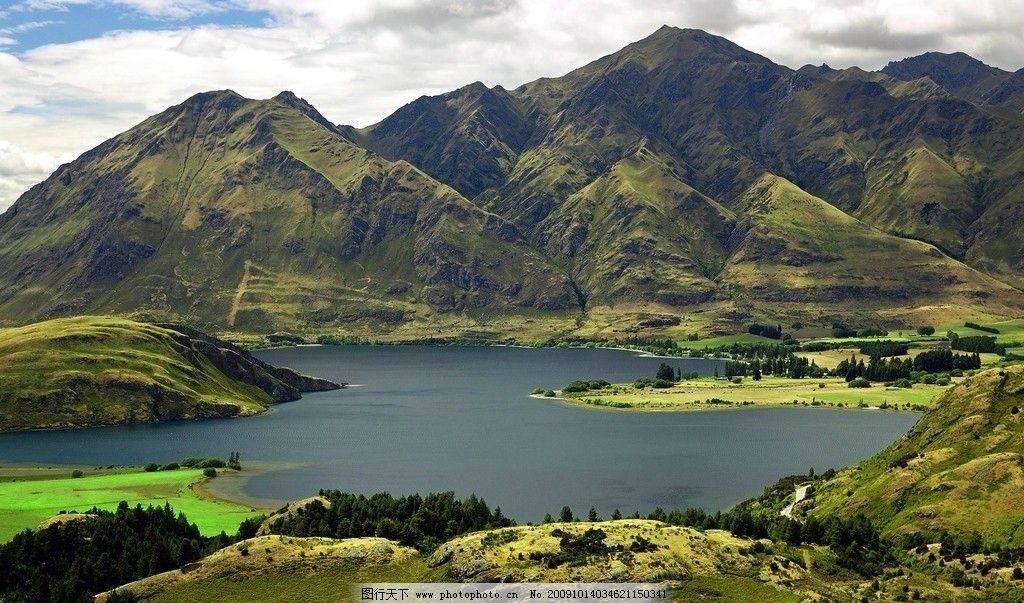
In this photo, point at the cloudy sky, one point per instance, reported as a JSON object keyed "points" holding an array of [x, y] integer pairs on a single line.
{"points": [[75, 72]]}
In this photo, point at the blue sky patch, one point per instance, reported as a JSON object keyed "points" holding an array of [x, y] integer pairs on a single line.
{"points": [[33, 27]]}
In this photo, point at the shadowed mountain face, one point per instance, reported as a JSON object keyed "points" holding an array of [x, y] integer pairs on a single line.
{"points": [[964, 76], [680, 172]]}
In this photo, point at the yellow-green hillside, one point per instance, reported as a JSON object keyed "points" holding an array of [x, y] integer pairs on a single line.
{"points": [[960, 469], [97, 370]]}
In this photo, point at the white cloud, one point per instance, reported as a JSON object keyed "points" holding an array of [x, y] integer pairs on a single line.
{"points": [[358, 61], [20, 169]]}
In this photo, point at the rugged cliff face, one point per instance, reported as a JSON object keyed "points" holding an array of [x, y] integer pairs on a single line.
{"points": [[97, 371]]}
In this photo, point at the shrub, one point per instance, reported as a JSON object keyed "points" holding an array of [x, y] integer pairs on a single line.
{"points": [[841, 331], [883, 348], [769, 331], [538, 391], [977, 327], [942, 380], [576, 386], [549, 393], [580, 385], [662, 384], [929, 378], [926, 330], [665, 373], [170, 467], [152, 467], [860, 382], [978, 343], [210, 472], [902, 383], [77, 474], [737, 379], [202, 463]]}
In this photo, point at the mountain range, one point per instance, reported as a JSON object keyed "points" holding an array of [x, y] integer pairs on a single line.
{"points": [[682, 175]]}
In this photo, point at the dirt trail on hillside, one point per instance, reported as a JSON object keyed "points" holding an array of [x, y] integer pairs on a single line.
{"points": [[242, 286]]}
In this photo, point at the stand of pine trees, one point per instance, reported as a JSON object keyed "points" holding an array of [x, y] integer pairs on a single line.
{"points": [[885, 370], [72, 561], [423, 522]]}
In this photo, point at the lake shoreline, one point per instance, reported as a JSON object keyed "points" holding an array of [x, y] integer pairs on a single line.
{"points": [[477, 343], [230, 487]]}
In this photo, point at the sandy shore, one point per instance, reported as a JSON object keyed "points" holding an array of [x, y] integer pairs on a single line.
{"points": [[230, 486]]}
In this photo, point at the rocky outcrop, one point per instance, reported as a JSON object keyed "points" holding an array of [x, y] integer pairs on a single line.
{"points": [[283, 384]]}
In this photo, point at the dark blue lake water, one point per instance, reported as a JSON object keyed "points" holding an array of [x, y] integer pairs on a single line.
{"points": [[460, 418]]}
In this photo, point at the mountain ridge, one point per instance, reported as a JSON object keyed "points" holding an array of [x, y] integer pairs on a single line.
{"points": [[623, 186]]}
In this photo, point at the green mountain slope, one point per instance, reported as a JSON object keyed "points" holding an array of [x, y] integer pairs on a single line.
{"points": [[907, 155], [92, 370], [252, 214], [961, 467], [796, 249]]}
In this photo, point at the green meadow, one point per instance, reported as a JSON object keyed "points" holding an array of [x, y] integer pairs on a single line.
{"points": [[29, 497]]}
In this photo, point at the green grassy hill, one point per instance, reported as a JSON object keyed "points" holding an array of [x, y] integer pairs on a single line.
{"points": [[960, 469], [96, 370]]}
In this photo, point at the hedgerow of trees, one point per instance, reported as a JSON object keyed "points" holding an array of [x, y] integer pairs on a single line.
{"points": [[976, 343]]}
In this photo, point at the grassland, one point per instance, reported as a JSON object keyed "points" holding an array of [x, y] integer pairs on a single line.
{"points": [[330, 585], [696, 565], [30, 496], [700, 394], [1010, 331], [731, 588]]}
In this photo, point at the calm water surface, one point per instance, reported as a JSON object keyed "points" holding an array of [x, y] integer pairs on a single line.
{"points": [[459, 418]]}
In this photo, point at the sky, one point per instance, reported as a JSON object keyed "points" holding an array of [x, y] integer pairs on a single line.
{"points": [[76, 72]]}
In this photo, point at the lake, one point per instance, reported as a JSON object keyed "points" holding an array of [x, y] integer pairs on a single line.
{"points": [[428, 419]]}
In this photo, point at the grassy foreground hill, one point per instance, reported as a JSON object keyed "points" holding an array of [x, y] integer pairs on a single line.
{"points": [[282, 568], [695, 565], [96, 370], [960, 469]]}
